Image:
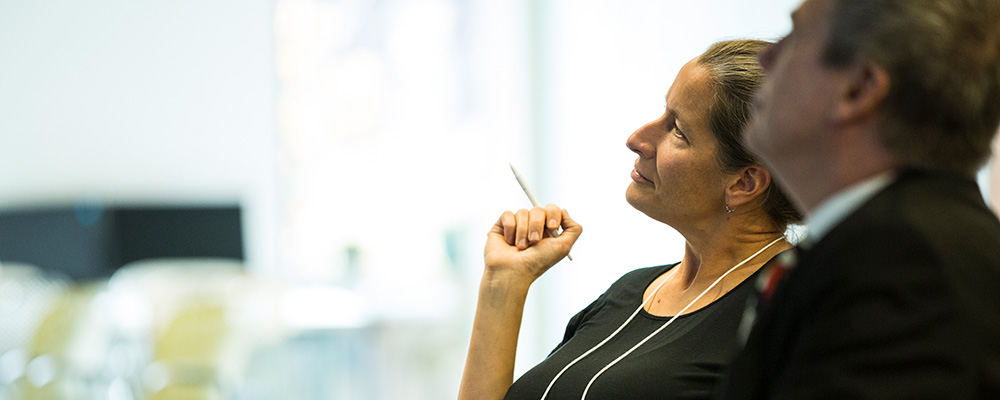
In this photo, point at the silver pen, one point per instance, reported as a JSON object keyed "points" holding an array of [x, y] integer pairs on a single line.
{"points": [[534, 201]]}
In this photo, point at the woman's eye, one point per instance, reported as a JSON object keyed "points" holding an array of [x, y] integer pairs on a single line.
{"points": [[679, 134]]}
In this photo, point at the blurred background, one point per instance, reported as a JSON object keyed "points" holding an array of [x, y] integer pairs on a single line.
{"points": [[288, 199]]}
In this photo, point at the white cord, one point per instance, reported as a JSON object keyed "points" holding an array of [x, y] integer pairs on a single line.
{"points": [[622, 326], [650, 336]]}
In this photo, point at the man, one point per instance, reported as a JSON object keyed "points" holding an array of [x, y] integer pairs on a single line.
{"points": [[875, 116]]}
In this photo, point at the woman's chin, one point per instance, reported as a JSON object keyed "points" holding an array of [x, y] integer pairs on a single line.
{"points": [[635, 198], [647, 204]]}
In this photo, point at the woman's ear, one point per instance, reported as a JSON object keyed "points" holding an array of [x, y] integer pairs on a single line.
{"points": [[750, 183]]}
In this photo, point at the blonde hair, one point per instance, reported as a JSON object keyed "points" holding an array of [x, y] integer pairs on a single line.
{"points": [[735, 76]]}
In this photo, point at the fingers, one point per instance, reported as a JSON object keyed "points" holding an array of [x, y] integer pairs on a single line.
{"points": [[553, 216], [505, 227], [536, 225], [527, 227], [571, 232], [508, 247], [521, 228]]}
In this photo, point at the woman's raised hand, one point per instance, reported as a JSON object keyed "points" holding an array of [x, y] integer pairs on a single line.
{"points": [[517, 252], [517, 244]]}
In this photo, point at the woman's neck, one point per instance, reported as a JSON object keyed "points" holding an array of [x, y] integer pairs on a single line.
{"points": [[689, 286], [707, 259]]}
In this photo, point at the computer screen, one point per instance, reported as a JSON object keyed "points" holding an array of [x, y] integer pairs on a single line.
{"points": [[91, 242]]}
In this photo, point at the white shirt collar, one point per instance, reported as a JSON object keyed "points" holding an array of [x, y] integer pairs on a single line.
{"points": [[841, 204]]}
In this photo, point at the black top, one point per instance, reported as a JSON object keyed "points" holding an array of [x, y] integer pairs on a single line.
{"points": [[684, 361]]}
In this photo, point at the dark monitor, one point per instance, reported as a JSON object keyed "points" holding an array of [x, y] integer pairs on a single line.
{"points": [[92, 242]]}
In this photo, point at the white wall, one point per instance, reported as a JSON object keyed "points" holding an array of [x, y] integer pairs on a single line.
{"points": [[140, 101]]}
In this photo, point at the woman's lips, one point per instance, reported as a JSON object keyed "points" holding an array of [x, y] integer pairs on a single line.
{"points": [[638, 178]]}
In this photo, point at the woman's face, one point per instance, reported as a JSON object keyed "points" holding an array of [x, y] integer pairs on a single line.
{"points": [[677, 179]]}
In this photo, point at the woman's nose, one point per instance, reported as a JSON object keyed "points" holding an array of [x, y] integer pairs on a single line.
{"points": [[639, 142]]}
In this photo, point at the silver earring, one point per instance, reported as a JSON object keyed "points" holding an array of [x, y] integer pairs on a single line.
{"points": [[729, 210]]}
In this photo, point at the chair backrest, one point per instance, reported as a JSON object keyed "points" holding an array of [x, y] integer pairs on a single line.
{"points": [[191, 302], [27, 296], [70, 348]]}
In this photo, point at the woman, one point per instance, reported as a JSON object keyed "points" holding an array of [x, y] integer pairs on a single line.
{"points": [[659, 332]]}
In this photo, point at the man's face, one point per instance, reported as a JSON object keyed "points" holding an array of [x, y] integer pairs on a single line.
{"points": [[788, 128]]}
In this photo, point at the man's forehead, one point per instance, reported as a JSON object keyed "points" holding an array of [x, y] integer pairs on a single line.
{"points": [[809, 9], [811, 13]]}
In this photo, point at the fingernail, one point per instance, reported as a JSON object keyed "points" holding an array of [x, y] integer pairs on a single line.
{"points": [[533, 236], [522, 243], [553, 224]]}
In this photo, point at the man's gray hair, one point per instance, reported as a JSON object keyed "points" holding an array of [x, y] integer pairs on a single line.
{"points": [[943, 62]]}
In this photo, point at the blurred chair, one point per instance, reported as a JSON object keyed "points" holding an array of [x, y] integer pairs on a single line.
{"points": [[67, 356], [199, 341], [27, 294], [187, 354]]}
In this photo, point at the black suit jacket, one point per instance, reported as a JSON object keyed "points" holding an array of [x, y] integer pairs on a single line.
{"points": [[901, 300]]}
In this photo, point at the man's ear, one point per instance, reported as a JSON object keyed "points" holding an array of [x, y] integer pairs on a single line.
{"points": [[863, 90], [750, 183]]}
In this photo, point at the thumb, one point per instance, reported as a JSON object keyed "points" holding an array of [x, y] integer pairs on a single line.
{"points": [[571, 231]]}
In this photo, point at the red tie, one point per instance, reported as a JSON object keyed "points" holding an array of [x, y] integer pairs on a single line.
{"points": [[778, 269]]}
